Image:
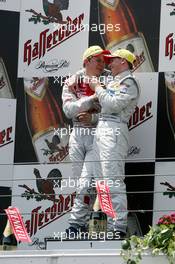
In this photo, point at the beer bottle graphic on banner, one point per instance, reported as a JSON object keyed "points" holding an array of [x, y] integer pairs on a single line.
{"points": [[45, 121], [124, 33], [98, 219], [5, 86], [170, 99]]}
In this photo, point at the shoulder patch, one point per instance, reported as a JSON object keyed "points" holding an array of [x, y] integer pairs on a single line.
{"points": [[123, 89]]}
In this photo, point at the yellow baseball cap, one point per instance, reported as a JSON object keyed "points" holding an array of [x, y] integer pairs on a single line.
{"points": [[94, 51], [121, 53]]}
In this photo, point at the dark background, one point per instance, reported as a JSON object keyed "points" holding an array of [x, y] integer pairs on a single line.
{"points": [[144, 181]]}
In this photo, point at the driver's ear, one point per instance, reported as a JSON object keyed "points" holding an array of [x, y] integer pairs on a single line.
{"points": [[123, 61], [86, 62]]}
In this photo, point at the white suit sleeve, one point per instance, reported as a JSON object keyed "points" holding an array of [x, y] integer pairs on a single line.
{"points": [[120, 99], [72, 105]]}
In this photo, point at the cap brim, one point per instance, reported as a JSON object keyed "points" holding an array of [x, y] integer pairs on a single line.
{"points": [[107, 58], [104, 52]]}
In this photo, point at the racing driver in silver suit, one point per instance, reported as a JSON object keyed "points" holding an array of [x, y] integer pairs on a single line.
{"points": [[111, 142]]}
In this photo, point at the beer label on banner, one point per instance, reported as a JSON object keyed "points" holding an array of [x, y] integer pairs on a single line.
{"points": [[110, 3], [167, 37], [40, 217], [5, 87], [7, 140], [170, 80], [45, 211], [143, 120], [136, 44], [105, 198], [48, 150], [51, 29], [6, 136], [17, 225], [35, 87]]}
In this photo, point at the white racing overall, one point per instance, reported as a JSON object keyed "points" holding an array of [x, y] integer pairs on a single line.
{"points": [[111, 142], [80, 150]]}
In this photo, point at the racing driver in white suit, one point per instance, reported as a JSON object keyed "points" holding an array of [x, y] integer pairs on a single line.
{"points": [[111, 142], [82, 106]]}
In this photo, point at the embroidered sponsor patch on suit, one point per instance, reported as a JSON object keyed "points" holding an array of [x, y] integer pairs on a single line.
{"points": [[116, 89], [124, 89]]}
